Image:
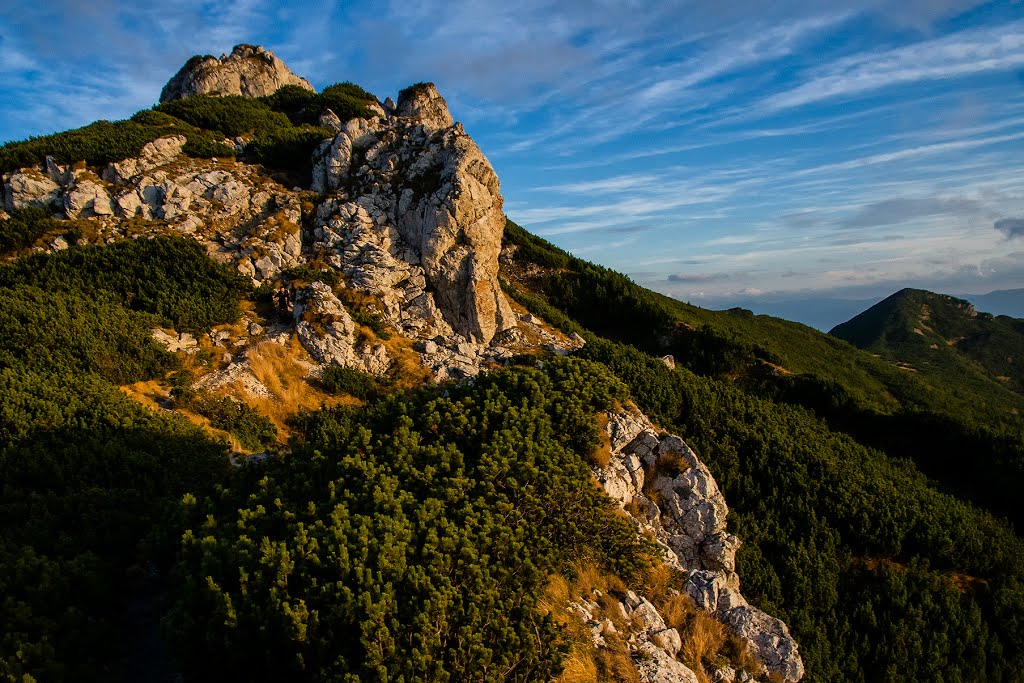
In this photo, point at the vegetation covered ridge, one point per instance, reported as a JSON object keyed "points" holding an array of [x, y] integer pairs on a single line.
{"points": [[932, 422]]}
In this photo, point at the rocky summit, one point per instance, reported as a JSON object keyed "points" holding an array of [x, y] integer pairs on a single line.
{"points": [[249, 71]]}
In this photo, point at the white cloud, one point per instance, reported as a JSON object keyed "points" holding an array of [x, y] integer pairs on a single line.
{"points": [[967, 53]]}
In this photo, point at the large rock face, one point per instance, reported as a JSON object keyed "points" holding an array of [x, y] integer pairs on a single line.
{"points": [[249, 71], [413, 200], [674, 499]]}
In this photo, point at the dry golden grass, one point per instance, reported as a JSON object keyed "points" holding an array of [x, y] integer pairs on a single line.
{"points": [[554, 598], [406, 370], [579, 665], [602, 455], [740, 656], [633, 508], [657, 582], [281, 370], [703, 638], [677, 610], [671, 463], [149, 393], [614, 663]]}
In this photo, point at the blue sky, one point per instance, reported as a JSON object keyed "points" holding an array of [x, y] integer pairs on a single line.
{"points": [[712, 151]]}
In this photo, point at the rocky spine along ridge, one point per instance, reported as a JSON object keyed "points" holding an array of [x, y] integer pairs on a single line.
{"points": [[672, 496]]}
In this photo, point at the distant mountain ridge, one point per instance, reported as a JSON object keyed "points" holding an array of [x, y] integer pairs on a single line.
{"points": [[999, 302], [944, 338], [823, 312]]}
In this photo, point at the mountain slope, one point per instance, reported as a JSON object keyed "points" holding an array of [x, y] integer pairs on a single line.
{"points": [[947, 341], [323, 274]]}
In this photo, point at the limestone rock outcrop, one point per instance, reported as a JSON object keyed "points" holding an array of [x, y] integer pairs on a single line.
{"points": [[672, 496], [653, 646], [329, 334], [424, 103], [250, 71], [153, 155], [29, 187], [414, 197]]}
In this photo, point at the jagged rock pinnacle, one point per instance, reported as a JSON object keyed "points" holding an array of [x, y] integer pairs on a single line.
{"points": [[249, 70], [424, 103]]}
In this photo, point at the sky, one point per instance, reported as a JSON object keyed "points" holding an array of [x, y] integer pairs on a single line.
{"points": [[717, 152]]}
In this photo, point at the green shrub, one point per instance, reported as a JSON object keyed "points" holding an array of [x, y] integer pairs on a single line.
{"points": [[86, 475], [230, 115], [288, 148], [24, 227], [297, 103], [341, 380], [347, 100], [307, 273], [73, 333], [103, 142], [373, 321], [253, 430], [170, 277], [425, 527]]}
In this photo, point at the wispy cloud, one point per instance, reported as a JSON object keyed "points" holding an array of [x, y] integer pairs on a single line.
{"points": [[967, 53]]}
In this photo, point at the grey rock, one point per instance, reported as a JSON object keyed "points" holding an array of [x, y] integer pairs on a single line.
{"points": [[86, 197], [668, 640], [655, 665], [769, 639], [330, 121], [249, 71], [29, 187], [328, 332], [689, 521], [726, 674], [423, 103], [718, 551], [173, 343], [154, 154]]}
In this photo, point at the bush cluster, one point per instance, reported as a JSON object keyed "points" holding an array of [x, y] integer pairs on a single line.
{"points": [[423, 527]]}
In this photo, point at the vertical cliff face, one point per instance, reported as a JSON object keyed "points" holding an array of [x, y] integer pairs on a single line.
{"points": [[410, 196], [249, 70]]}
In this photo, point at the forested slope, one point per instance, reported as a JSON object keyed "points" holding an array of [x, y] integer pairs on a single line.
{"points": [[936, 425]]}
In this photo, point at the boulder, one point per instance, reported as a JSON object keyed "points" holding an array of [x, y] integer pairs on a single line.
{"points": [[154, 154], [29, 187], [424, 103], [329, 334], [655, 665], [330, 121], [769, 640], [249, 71], [86, 197]]}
